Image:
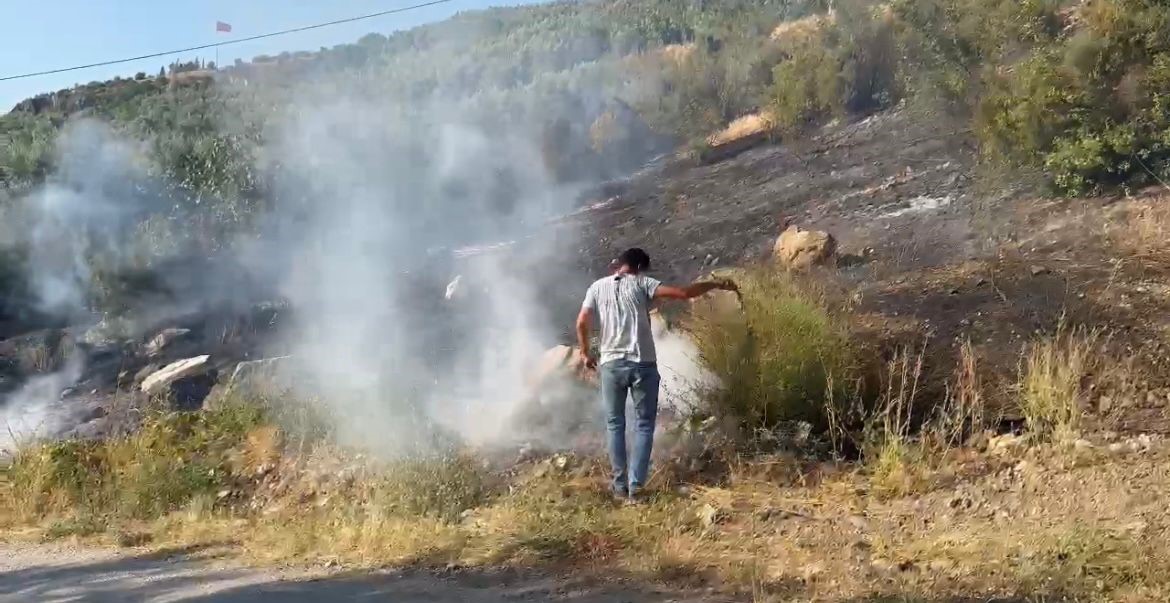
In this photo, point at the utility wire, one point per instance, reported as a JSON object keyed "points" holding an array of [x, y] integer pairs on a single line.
{"points": [[227, 42]]}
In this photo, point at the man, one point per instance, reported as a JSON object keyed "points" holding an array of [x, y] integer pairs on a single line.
{"points": [[627, 359]]}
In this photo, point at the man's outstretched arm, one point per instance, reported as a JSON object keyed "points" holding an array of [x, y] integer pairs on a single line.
{"points": [[692, 290], [583, 323]]}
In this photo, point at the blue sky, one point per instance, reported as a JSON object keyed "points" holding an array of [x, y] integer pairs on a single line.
{"points": [[39, 37]]}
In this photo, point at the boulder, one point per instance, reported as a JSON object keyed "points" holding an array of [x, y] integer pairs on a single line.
{"points": [[161, 379], [802, 249]]}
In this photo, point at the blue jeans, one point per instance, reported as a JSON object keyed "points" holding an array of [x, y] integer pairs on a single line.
{"points": [[640, 380]]}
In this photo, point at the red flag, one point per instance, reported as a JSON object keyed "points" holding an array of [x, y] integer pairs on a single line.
{"points": [[220, 26]]}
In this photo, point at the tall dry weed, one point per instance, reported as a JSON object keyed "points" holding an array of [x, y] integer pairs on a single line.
{"points": [[1051, 386]]}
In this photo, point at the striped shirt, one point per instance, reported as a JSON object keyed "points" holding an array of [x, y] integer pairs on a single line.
{"points": [[622, 305]]}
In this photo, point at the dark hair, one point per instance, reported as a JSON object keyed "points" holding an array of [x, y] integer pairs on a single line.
{"points": [[635, 258]]}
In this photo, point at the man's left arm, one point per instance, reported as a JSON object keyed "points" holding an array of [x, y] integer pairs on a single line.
{"points": [[584, 323], [692, 290]]}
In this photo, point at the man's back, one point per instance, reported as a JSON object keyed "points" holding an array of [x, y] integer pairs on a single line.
{"points": [[622, 304]]}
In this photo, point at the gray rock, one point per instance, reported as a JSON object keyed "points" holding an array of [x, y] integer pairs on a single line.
{"points": [[161, 379]]}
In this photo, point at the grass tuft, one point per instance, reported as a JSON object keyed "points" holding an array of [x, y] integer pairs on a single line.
{"points": [[1051, 385]]}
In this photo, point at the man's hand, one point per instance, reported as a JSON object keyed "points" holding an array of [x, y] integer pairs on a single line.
{"points": [[585, 360], [726, 284]]}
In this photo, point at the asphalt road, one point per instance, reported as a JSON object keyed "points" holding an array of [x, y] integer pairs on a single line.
{"points": [[58, 574]]}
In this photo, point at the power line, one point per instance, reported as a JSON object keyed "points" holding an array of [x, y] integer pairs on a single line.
{"points": [[227, 42]]}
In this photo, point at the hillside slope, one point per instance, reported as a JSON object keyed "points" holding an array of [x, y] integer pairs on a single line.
{"points": [[304, 309]]}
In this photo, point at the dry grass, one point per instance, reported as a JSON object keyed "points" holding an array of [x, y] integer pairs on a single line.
{"points": [[802, 29], [173, 458], [1052, 394], [37, 358], [1144, 230], [964, 412], [754, 124], [677, 53], [893, 455], [799, 537], [776, 528]]}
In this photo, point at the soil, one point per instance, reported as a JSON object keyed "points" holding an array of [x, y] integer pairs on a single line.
{"points": [[49, 574]]}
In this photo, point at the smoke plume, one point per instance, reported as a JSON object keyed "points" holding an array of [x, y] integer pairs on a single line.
{"points": [[369, 201]]}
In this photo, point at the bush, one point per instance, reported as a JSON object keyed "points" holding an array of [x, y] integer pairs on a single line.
{"points": [[785, 359], [172, 459], [834, 64], [1079, 93]]}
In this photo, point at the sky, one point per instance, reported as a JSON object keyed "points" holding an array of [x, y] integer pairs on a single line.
{"points": [[76, 32]]}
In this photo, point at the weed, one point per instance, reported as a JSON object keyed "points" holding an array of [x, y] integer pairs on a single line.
{"points": [[889, 449], [172, 458], [74, 526], [1051, 382], [964, 411]]}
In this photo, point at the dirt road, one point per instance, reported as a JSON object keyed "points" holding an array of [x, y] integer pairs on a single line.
{"points": [[51, 574]]}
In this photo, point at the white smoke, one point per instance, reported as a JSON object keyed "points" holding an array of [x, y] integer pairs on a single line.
{"points": [[34, 411], [684, 378], [364, 191], [389, 357], [81, 211]]}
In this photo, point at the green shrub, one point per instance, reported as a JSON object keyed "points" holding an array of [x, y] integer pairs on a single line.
{"points": [[832, 65], [1078, 93], [809, 83], [785, 358]]}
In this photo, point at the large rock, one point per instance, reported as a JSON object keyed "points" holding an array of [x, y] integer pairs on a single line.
{"points": [[161, 379], [801, 249]]}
